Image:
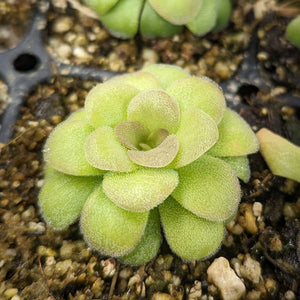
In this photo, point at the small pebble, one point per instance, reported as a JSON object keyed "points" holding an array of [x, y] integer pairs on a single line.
{"points": [[62, 24], [251, 269], [11, 292], [229, 284]]}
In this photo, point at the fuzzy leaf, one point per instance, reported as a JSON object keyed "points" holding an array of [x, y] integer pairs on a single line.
{"points": [[196, 134], [282, 156], [157, 137], [131, 133], [177, 12], [189, 236], [153, 25], [149, 244], [155, 109], [109, 229], [64, 149], [140, 190], [123, 19], [240, 164], [166, 74], [209, 188], [236, 137], [223, 14], [102, 6], [106, 103], [141, 80], [205, 20], [158, 157], [49, 172], [199, 92], [103, 151], [293, 31], [79, 114], [62, 197]]}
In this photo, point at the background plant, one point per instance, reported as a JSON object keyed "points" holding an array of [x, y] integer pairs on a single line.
{"points": [[154, 18]]}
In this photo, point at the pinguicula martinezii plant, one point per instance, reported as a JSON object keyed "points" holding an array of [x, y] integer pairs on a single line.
{"points": [[152, 149], [157, 18]]}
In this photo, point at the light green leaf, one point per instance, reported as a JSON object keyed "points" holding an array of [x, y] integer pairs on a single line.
{"points": [[197, 133], [106, 103], [189, 236], [102, 6], [109, 229], [64, 149], [158, 157], [177, 11], [236, 137], [123, 19], [223, 14], [166, 74], [205, 20], [149, 244], [282, 156], [153, 25], [209, 188], [240, 165], [141, 80], [155, 109], [199, 92], [131, 134], [80, 114], [103, 151], [140, 190], [293, 31], [62, 197], [49, 172]]}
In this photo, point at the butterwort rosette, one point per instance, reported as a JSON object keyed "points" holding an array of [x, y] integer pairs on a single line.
{"points": [[161, 18], [152, 152]]}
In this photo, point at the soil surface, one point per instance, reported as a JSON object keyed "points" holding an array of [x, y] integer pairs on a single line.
{"points": [[262, 244]]}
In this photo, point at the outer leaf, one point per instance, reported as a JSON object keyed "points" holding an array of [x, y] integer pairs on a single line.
{"points": [[49, 172], [199, 92], [205, 20], [106, 103], [80, 115], [196, 134], [149, 244], [166, 74], [62, 197], [236, 137], [282, 157], [240, 164], [109, 229], [155, 109], [209, 188], [190, 237], [64, 149], [141, 80], [101, 7], [177, 11], [103, 151], [158, 157], [153, 25], [140, 190], [123, 19], [223, 13]]}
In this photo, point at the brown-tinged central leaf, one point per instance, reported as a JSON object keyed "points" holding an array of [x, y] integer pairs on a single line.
{"points": [[158, 157], [155, 109], [131, 134], [157, 137]]}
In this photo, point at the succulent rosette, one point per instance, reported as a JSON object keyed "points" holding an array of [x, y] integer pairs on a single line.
{"points": [[157, 18], [152, 149]]}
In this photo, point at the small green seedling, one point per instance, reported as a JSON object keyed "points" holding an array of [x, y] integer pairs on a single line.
{"points": [[282, 157], [157, 18], [152, 149]]}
